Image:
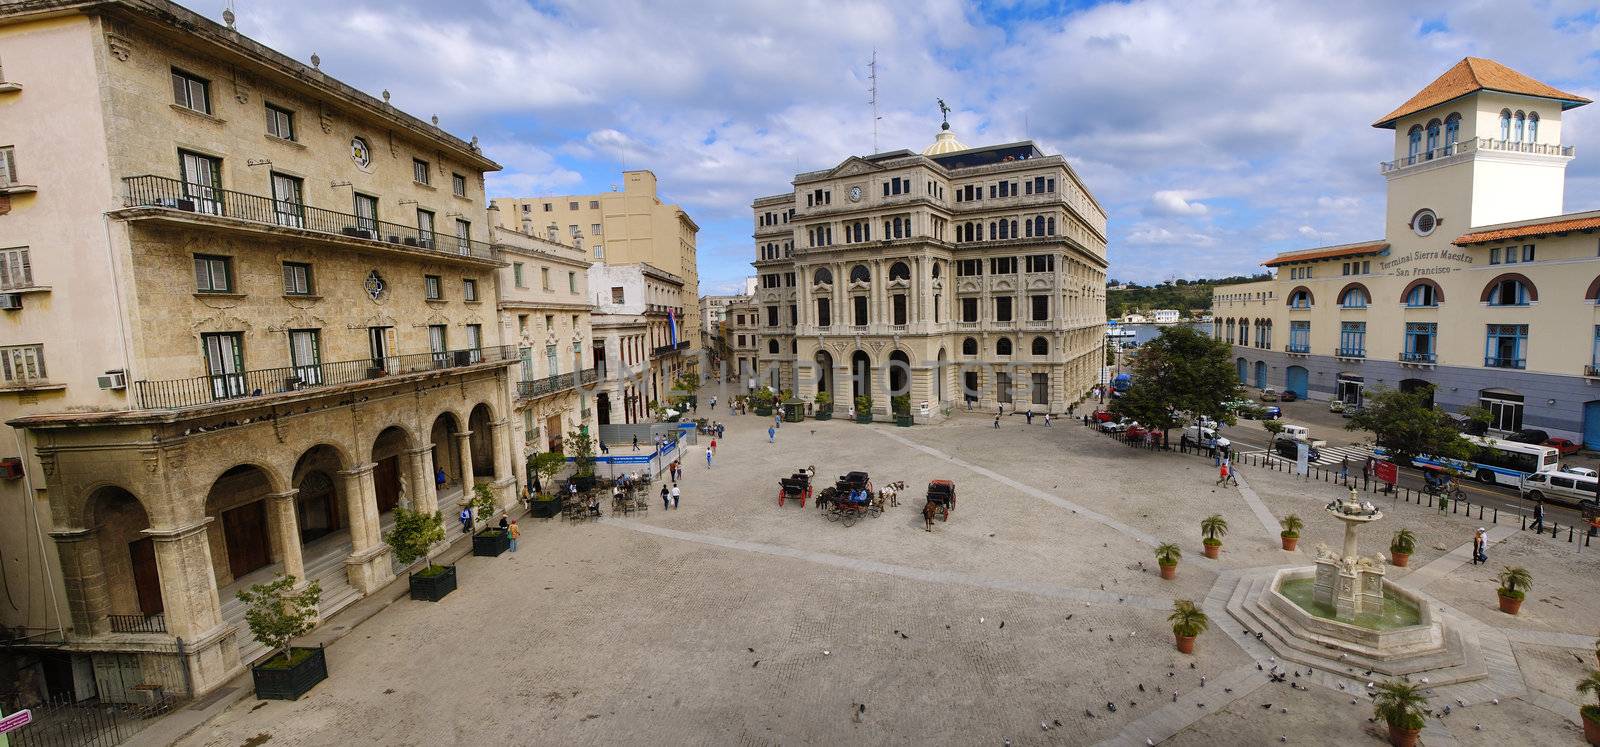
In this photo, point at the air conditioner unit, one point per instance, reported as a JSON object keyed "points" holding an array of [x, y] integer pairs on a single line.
{"points": [[11, 468], [10, 301], [177, 203], [114, 380]]}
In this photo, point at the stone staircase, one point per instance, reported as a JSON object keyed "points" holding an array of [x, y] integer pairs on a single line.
{"points": [[337, 593]]}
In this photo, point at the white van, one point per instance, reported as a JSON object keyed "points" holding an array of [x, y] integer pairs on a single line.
{"points": [[1300, 433], [1199, 435], [1561, 487]]}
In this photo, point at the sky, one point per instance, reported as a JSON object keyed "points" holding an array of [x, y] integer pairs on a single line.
{"points": [[1215, 134]]}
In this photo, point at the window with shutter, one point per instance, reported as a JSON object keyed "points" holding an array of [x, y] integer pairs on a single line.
{"points": [[15, 270], [8, 166], [22, 364]]}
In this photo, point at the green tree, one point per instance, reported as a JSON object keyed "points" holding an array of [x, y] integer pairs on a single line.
{"points": [[277, 614], [582, 447], [1408, 425], [1187, 619], [483, 502], [413, 533], [1274, 427], [1214, 527], [1400, 704], [1168, 554], [1181, 373], [546, 464], [688, 383]]}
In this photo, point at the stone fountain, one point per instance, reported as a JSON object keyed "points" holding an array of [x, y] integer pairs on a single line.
{"points": [[1348, 583]]}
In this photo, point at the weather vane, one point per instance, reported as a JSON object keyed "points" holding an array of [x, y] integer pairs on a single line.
{"points": [[944, 111]]}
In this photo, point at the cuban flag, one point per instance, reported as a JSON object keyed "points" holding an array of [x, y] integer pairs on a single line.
{"points": [[672, 326]]}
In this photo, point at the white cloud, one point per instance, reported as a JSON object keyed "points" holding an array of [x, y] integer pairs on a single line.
{"points": [[1157, 236], [1176, 202]]}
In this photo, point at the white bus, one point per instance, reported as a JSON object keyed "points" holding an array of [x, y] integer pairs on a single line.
{"points": [[1496, 460]]}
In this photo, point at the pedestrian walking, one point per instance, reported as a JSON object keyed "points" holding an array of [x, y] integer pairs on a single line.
{"points": [[439, 478], [1029, 416], [1344, 469], [713, 445], [666, 497], [713, 404], [1538, 516], [1480, 546], [708, 457], [514, 533], [465, 517], [1047, 420], [675, 495], [1233, 474], [772, 433], [777, 422], [997, 421], [635, 442], [1222, 473]]}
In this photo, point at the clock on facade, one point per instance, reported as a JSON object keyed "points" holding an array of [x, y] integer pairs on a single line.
{"points": [[360, 152], [855, 194]]}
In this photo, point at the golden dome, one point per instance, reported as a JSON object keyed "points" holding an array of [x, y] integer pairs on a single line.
{"points": [[946, 142]]}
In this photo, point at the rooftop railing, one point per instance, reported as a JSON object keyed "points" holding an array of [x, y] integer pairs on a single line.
{"points": [[1472, 145]]}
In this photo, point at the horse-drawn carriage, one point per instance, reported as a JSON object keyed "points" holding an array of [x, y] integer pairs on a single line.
{"points": [[796, 487], [941, 501], [850, 498]]}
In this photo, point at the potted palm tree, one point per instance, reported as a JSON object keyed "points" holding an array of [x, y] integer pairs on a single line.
{"points": [[1401, 547], [277, 614], [1291, 532], [1167, 555], [864, 409], [1591, 713], [1187, 622], [1403, 707], [1515, 581], [1214, 527], [824, 402], [413, 533]]}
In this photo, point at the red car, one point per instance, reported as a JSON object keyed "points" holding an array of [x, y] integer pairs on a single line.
{"points": [[1564, 445], [1102, 416], [1136, 432]]}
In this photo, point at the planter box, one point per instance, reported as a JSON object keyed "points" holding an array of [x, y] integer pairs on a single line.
{"points": [[545, 509], [824, 415], [433, 588], [291, 682], [584, 483], [863, 417], [763, 410], [904, 421], [490, 543]]}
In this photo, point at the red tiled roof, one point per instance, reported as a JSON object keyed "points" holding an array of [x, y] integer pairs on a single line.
{"points": [[1332, 252], [1474, 74], [1546, 228]]}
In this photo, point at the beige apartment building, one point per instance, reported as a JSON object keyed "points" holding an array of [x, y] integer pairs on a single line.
{"points": [[636, 358], [544, 311], [741, 329], [250, 310], [1481, 289], [954, 275], [621, 227]]}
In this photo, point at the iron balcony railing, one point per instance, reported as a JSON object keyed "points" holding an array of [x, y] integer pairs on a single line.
{"points": [[1499, 362], [1350, 352], [156, 623], [174, 194], [1297, 347], [172, 394], [1591, 371], [667, 349], [1428, 358], [551, 384], [1475, 144]]}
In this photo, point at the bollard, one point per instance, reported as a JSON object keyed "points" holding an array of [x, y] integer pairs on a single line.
{"points": [[1497, 514], [1430, 500], [1569, 533], [1524, 521]]}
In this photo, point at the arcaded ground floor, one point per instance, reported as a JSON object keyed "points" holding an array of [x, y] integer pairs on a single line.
{"points": [[731, 620]]}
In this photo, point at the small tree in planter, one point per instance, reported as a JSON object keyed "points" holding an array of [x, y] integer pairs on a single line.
{"points": [[1403, 706], [277, 615], [490, 540], [901, 404], [1214, 527], [1291, 532], [761, 402], [414, 533], [1167, 558], [824, 402], [1187, 621], [1515, 581], [864, 409], [1591, 713], [1401, 547]]}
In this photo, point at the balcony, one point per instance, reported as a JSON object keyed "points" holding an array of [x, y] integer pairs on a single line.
{"points": [[1351, 353], [1472, 146], [558, 383], [1591, 372], [176, 394], [669, 349], [1298, 348], [1494, 361], [177, 196], [156, 623], [1419, 359]]}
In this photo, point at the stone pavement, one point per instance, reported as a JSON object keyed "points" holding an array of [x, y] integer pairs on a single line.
{"points": [[731, 620]]}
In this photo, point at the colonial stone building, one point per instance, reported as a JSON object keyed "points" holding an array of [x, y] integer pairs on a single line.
{"points": [[1481, 290], [742, 331], [956, 274], [257, 312], [639, 352]]}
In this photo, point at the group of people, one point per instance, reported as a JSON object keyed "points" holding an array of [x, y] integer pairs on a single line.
{"points": [[507, 525], [1000, 410]]}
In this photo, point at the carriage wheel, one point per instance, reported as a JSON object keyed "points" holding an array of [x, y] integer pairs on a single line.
{"points": [[850, 520], [874, 511], [832, 514]]}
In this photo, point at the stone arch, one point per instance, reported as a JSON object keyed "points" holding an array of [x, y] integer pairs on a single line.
{"points": [[1594, 290], [1353, 286], [897, 369], [132, 578], [860, 374], [390, 478], [442, 437], [1438, 293], [1489, 287], [824, 361], [939, 373], [240, 537], [479, 422], [320, 503]]}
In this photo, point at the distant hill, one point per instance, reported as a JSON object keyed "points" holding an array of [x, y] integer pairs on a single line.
{"points": [[1182, 295]]}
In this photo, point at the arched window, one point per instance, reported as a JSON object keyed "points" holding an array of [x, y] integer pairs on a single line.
{"points": [[1354, 296], [1014, 233], [1516, 131], [1050, 226], [1422, 293], [1041, 346], [1005, 230], [1038, 226], [1414, 143], [994, 231], [772, 346], [969, 346], [860, 274], [1300, 298], [1002, 346], [899, 271], [1027, 228], [1433, 137], [936, 269], [1505, 124], [1452, 133], [823, 276], [1510, 289], [1533, 127]]}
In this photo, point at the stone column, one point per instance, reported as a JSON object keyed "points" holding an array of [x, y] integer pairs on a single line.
{"points": [[191, 605], [368, 564], [287, 525], [468, 479], [83, 574], [425, 496], [505, 475]]}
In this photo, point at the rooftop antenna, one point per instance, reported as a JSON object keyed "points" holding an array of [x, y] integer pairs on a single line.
{"points": [[872, 75]]}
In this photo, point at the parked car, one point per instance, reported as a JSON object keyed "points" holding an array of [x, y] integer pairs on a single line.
{"points": [[1287, 395], [1299, 433], [1271, 413], [1584, 471], [1117, 426], [1102, 416], [1136, 431], [1562, 488], [1336, 406], [1566, 446], [1268, 394], [1198, 436], [1529, 436], [1289, 448]]}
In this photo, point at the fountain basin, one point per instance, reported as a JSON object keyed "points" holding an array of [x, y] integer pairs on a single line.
{"points": [[1407, 626]]}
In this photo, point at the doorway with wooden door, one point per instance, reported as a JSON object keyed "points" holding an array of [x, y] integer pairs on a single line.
{"points": [[244, 529], [146, 579]]}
